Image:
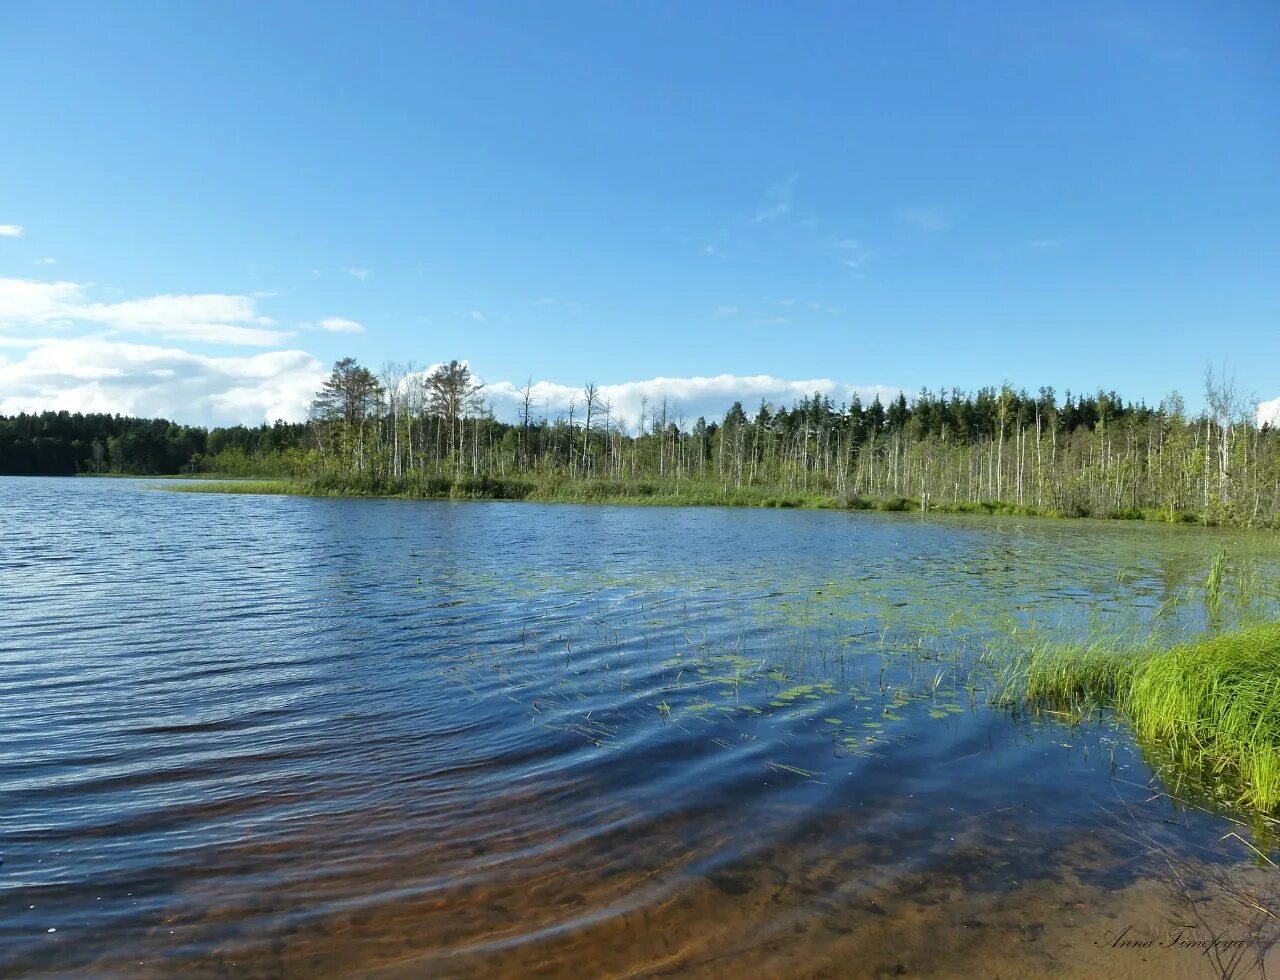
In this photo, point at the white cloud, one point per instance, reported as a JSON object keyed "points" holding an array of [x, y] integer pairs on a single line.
{"points": [[27, 301], [10, 231], [727, 309], [214, 318], [925, 219], [476, 315], [687, 397], [99, 375], [340, 324], [46, 261], [361, 274], [1269, 412]]}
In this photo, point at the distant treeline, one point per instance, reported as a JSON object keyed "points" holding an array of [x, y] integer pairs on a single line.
{"points": [[63, 443], [1093, 454]]}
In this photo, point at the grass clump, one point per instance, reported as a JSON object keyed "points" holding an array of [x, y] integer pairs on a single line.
{"points": [[1081, 676], [238, 486], [1210, 708]]}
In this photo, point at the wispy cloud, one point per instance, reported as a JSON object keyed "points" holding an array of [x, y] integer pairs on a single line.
{"points": [[46, 261], [850, 252], [766, 315], [928, 220], [776, 227], [1042, 244], [825, 308], [361, 274], [340, 324], [11, 231], [777, 200], [476, 315], [214, 318], [555, 303]]}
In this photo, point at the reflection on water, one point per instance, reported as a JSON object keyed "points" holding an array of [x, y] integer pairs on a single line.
{"points": [[293, 737]]}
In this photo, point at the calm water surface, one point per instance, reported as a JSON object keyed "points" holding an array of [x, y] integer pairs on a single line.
{"points": [[274, 736]]}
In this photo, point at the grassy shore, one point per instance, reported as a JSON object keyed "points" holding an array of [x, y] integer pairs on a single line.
{"points": [[167, 476], [1210, 708], [670, 493]]}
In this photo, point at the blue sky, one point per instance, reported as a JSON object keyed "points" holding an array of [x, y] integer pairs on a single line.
{"points": [[901, 195]]}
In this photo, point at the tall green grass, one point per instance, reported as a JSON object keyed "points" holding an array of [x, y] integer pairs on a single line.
{"points": [[237, 486], [1210, 708]]}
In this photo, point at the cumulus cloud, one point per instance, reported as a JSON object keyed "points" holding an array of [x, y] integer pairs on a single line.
{"points": [[10, 231], [361, 274], [1269, 412], [340, 324], [101, 375], [214, 318], [687, 397]]}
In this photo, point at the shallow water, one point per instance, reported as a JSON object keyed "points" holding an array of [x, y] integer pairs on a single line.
{"points": [[273, 736]]}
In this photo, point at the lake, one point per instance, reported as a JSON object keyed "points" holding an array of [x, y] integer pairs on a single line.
{"points": [[276, 737]]}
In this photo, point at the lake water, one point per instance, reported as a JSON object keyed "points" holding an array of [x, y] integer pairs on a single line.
{"points": [[273, 736]]}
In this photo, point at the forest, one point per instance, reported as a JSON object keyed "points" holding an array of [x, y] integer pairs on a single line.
{"points": [[403, 432], [64, 444]]}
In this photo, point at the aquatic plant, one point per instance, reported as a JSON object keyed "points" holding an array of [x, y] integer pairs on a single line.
{"points": [[1210, 707], [1214, 582]]}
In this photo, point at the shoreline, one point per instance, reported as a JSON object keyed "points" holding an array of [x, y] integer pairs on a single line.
{"points": [[647, 494]]}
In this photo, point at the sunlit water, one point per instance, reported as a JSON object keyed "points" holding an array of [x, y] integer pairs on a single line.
{"points": [[275, 736]]}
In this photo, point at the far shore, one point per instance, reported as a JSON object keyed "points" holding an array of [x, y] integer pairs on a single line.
{"points": [[640, 493]]}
